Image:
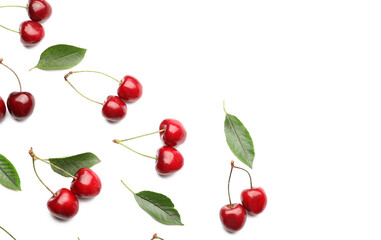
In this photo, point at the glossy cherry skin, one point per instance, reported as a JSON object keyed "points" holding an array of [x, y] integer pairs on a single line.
{"points": [[233, 218], [87, 183], [31, 33], [114, 109], [130, 89], [39, 10], [168, 160], [254, 200], [2, 109], [174, 134], [64, 205], [20, 105]]}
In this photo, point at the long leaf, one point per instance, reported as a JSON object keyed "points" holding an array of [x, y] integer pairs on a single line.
{"points": [[239, 140], [60, 57], [8, 174], [73, 163]]}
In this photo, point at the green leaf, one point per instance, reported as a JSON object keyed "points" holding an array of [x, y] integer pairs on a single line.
{"points": [[60, 57], [159, 207], [239, 140], [8, 174], [73, 163]]}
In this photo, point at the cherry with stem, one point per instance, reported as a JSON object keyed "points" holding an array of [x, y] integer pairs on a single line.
{"points": [[7, 233], [38, 10], [31, 32]]}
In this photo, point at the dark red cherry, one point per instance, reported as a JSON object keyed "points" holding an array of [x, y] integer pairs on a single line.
{"points": [[130, 89], [114, 109], [174, 132], [233, 217], [87, 183], [39, 10], [31, 33], [2, 109], [64, 205], [20, 105], [168, 160], [254, 200]]}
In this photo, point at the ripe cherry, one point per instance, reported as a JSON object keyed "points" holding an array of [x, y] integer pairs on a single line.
{"points": [[2, 109], [173, 132], [130, 89], [20, 104], [168, 160], [64, 204], [31, 33], [233, 217], [254, 200], [114, 109], [86, 183], [39, 10]]}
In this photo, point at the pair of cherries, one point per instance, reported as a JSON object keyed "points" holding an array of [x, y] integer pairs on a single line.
{"points": [[114, 108], [31, 31], [64, 203], [254, 201], [168, 159], [20, 104]]}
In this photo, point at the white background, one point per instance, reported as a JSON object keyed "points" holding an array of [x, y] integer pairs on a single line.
{"points": [[303, 76]]}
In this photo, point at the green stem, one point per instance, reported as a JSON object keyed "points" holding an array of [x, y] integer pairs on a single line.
{"points": [[35, 171], [225, 108], [89, 71], [230, 175], [127, 187], [8, 233], [162, 130], [144, 155], [9, 29], [32, 68], [66, 76], [51, 164], [1, 62], [19, 6], [251, 182]]}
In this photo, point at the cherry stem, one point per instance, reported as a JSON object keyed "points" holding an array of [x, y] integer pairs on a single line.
{"points": [[156, 237], [144, 155], [162, 130], [8, 233], [66, 76], [127, 187], [89, 71], [251, 182], [31, 153], [230, 175], [9, 29], [19, 6], [1, 62]]}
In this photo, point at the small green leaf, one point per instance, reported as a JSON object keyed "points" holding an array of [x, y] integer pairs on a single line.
{"points": [[60, 57], [73, 163], [239, 140], [8, 174], [159, 206]]}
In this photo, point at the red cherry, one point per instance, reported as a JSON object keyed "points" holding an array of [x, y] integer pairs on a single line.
{"points": [[64, 205], [39, 10], [2, 109], [254, 200], [168, 160], [31, 33], [87, 184], [130, 89], [20, 105], [114, 109], [174, 133], [233, 217]]}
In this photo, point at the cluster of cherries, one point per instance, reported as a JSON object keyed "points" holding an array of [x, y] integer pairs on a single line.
{"points": [[64, 203], [168, 159], [254, 200], [114, 107], [31, 31], [20, 104]]}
